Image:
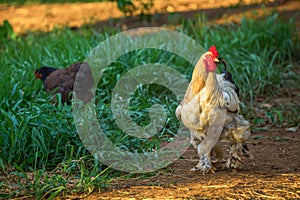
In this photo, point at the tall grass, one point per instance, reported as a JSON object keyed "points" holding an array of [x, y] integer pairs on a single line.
{"points": [[38, 141], [259, 53]]}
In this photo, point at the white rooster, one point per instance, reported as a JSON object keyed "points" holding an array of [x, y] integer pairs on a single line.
{"points": [[210, 110]]}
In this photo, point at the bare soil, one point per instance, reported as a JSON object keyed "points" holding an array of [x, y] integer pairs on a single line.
{"points": [[46, 17], [274, 173]]}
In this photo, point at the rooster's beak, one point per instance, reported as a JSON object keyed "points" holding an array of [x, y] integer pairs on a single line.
{"points": [[216, 60]]}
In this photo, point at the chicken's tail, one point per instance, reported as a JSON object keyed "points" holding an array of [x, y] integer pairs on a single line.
{"points": [[228, 76]]}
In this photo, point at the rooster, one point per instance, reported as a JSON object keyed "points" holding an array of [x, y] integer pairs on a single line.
{"points": [[61, 81], [210, 110]]}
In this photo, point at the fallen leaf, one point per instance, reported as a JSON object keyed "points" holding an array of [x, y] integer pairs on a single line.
{"points": [[292, 129], [266, 105]]}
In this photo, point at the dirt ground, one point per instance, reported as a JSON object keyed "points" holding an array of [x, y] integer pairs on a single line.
{"points": [[46, 17], [274, 173]]}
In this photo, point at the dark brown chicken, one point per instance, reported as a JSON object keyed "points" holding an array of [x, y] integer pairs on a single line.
{"points": [[61, 81]]}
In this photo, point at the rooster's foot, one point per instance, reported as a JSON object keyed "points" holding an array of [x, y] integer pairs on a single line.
{"points": [[204, 165], [207, 171]]}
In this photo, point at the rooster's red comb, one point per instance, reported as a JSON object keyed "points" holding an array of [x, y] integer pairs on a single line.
{"points": [[213, 51]]}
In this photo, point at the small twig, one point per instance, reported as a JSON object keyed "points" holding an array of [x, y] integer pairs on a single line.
{"points": [[215, 186], [266, 196]]}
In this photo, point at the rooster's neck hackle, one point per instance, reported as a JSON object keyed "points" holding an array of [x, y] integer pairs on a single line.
{"points": [[199, 75], [214, 94]]}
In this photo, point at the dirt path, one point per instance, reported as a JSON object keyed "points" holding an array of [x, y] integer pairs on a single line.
{"points": [[46, 17], [275, 171]]}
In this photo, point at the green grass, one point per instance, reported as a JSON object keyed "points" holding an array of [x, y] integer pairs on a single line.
{"points": [[39, 144], [258, 52]]}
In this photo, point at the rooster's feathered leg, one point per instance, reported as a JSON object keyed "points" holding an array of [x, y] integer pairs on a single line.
{"points": [[216, 123], [238, 134]]}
